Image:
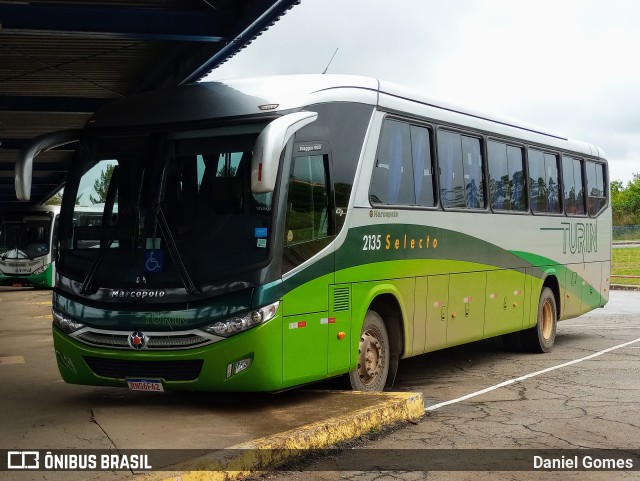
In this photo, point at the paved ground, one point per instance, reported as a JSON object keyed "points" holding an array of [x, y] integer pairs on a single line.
{"points": [[592, 403], [40, 411]]}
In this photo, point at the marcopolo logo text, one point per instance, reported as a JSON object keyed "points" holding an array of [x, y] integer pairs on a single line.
{"points": [[124, 294]]}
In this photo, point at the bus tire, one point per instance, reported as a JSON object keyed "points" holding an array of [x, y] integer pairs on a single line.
{"points": [[540, 338], [373, 355]]}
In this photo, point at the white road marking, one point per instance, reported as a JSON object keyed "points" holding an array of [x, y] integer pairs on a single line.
{"points": [[528, 376], [609, 326]]}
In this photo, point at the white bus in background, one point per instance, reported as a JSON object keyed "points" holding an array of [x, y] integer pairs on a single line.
{"points": [[28, 243], [27, 246]]}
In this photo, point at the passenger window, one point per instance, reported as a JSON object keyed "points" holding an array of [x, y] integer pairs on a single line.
{"points": [[403, 174], [422, 166], [597, 195], [461, 177], [392, 181], [506, 177], [572, 184], [307, 204], [545, 189]]}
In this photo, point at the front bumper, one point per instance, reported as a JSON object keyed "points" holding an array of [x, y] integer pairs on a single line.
{"points": [[199, 369]]}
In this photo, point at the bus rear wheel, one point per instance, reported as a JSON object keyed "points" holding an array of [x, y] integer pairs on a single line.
{"points": [[542, 337], [373, 355]]}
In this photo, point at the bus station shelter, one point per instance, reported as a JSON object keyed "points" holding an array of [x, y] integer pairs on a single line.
{"points": [[62, 60]]}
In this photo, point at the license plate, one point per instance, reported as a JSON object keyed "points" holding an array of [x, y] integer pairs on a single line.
{"points": [[154, 385], [17, 284]]}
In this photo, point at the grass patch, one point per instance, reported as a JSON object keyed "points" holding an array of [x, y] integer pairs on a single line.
{"points": [[625, 262]]}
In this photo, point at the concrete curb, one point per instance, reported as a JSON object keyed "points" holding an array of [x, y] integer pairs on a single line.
{"points": [[624, 287], [273, 451]]}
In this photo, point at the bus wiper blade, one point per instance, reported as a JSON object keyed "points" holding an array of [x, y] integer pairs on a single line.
{"points": [[87, 287], [181, 269]]}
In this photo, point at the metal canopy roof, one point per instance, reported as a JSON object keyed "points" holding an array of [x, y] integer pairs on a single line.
{"points": [[62, 60]]}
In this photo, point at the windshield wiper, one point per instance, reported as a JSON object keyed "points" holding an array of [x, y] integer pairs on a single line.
{"points": [[181, 269], [87, 287]]}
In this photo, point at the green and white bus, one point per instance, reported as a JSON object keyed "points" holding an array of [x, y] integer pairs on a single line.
{"points": [[278, 231], [27, 246]]}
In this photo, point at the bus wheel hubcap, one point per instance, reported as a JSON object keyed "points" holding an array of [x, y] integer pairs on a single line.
{"points": [[370, 357]]}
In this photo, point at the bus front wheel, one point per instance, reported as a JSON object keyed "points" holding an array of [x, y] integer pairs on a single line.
{"points": [[541, 337], [373, 355]]}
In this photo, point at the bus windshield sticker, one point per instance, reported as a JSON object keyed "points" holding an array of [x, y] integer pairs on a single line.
{"points": [[262, 243], [261, 232], [153, 260]]}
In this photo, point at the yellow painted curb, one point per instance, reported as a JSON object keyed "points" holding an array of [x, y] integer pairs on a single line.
{"points": [[275, 450]]}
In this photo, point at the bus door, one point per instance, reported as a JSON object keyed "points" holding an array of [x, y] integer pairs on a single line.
{"points": [[308, 266]]}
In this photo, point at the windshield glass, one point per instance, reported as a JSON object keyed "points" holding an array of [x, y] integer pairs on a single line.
{"points": [[148, 204], [24, 236]]}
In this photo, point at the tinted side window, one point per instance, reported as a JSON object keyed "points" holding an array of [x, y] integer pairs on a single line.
{"points": [[597, 195], [506, 177], [572, 184], [461, 177], [422, 166], [553, 183], [545, 189], [393, 181]]}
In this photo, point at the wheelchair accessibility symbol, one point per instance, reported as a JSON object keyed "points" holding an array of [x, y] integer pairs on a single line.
{"points": [[153, 260]]}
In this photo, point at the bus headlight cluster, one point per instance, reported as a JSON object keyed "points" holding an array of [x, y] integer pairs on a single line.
{"points": [[65, 323], [40, 270], [234, 325]]}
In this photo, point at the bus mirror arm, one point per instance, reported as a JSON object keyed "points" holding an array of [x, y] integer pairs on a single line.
{"points": [[24, 162], [268, 148]]}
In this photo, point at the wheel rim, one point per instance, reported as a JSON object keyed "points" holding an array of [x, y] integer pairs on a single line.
{"points": [[547, 319], [371, 356]]}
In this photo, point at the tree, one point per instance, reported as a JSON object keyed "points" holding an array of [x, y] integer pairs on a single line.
{"points": [[54, 199], [101, 185], [625, 201]]}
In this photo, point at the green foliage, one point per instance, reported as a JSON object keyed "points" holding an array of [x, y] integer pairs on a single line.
{"points": [[625, 201], [55, 199], [101, 185]]}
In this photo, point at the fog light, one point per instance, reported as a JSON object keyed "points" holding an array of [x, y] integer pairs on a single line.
{"points": [[241, 365]]}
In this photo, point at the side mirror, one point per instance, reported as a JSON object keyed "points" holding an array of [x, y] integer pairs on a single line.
{"points": [[268, 147], [24, 162]]}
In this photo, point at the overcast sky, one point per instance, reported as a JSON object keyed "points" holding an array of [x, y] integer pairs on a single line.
{"points": [[568, 66]]}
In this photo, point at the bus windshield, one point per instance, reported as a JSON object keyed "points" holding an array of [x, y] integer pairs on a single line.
{"points": [[165, 208], [24, 236]]}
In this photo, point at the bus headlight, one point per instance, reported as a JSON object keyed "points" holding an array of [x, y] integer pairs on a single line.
{"points": [[65, 323], [40, 270], [233, 325]]}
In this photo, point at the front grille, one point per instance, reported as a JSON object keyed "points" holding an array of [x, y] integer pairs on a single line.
{"points": [[103, 339], [110, 340], [167, 370]]}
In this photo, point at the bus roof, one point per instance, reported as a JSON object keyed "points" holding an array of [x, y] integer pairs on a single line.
{"points": [[273, 95]]}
